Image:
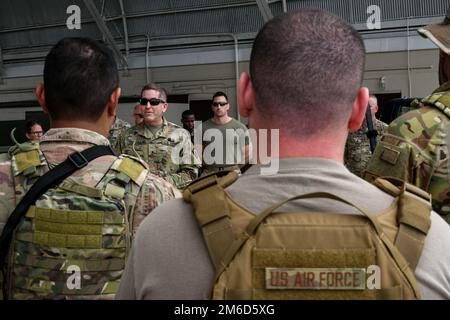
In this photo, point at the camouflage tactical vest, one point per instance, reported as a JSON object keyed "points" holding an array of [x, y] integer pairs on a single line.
{"points": [[414, 149], [311, 255], [73, 243]]}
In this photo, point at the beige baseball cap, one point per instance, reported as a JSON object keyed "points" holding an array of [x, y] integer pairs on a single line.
{"points": [[439, 33]]}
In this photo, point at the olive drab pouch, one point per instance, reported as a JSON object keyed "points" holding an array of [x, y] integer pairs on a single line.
{"points": [[311, 255], [73, 241], [390, 160]]}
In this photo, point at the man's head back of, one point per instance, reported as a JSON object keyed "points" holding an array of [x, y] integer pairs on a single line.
{"points": [[188, 120], [154, 101], [80, 81], [306, 70]]}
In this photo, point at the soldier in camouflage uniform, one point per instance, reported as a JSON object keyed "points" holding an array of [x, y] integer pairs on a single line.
{"points": [[86, 223], [415, 147], [357, 149], [166, 147], [117, 127]]}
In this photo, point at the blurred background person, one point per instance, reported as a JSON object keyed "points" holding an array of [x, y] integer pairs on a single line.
{"points": [[34, 131], [138, 114], [188, 121]]}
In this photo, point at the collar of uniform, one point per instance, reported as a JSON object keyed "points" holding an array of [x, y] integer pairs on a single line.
{"points": [[143, 130], [294, 164], [74, 135]]}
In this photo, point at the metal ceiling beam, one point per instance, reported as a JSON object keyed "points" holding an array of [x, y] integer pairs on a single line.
{"points": [[105, 31], [1, 66], [125, 28], [265, 9]]}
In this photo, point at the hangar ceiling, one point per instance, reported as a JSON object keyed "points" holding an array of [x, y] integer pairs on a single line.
{"points": [[29, 28]]}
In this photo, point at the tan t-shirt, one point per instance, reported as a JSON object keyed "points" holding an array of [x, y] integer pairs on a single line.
{"points": [[223, 144], [170, 259]]}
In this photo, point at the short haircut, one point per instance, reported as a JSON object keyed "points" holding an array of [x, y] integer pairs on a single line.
{"points": [[220, 94], [372, 96], [306, 67], [30, 124], [155, 87], [80, 75], [187, 113]]}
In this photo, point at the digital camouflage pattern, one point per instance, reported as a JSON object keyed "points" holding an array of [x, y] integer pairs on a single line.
{"points": [[169, 152], [357, 149], [424, 133], [83, 225], [116, 128]]}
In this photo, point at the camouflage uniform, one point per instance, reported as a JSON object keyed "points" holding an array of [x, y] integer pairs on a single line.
{"points": [[357, 149], [116, 128], [87, 220], [169, 153], [422, 133]]}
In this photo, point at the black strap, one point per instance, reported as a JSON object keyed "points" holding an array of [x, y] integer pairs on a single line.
{"points": [[55, 176], [371, 133]]}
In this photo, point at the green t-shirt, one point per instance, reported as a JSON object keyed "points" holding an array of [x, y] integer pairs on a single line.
{"points": [[223, 145]]}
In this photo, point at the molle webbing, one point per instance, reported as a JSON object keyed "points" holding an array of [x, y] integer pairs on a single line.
{"points": [[413, 217], [213, 214], [93, 241]]}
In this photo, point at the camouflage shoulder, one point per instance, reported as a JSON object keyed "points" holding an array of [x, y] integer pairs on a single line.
{"points": [[415, 122], [173, 125], [123, 123]]}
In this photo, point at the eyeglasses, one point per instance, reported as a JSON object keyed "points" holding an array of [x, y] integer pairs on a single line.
{"points": [[153, 101], [37, 133], [216, 104]]}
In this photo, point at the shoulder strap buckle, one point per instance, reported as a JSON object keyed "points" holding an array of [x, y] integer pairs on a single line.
{"points": [[78, 160]]}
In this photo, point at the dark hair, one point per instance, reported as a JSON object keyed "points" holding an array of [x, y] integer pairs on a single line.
{"points": [[306, 68], [30, 125], [220, 94], [79, 76], [187, 113], [154, 86]]}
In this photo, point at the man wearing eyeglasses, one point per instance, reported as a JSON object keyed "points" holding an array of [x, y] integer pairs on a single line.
{"points": [[166, 147], [233, 139]]}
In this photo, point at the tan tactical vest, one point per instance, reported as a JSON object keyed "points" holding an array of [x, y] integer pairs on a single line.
{"points": [[311, 255], [73, 243]]}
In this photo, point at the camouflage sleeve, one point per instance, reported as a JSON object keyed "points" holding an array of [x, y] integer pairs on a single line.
{"points": [[153, 193], [357, 152], [7, 192], [119, 145], [189, 163]]}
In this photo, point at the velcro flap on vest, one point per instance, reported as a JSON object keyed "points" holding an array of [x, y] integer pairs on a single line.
{"points": [[415, 212], [82, 189], [390, 155], [114, 191], [131, 167], [389, 160], [25, 160], [214, 208]]}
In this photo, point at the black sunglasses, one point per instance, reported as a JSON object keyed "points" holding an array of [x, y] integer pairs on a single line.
{"points": [[216, 104], [153, 101]]}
